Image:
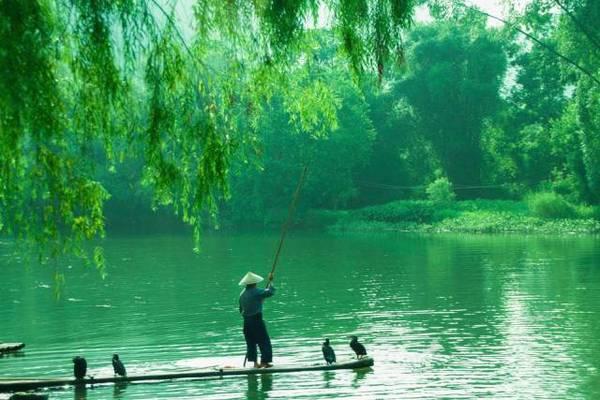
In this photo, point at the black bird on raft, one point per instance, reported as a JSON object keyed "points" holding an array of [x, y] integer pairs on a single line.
{"points": [[79, 367], [358, 348], [328, 353], [118, 366]]}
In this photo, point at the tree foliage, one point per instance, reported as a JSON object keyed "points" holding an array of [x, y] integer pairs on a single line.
{"points": [[333, 137], [95, 92], [440, 190], [553, 115], [123, 78]]}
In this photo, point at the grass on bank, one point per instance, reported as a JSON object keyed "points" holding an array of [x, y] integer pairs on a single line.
{"points": [[539, 213]]}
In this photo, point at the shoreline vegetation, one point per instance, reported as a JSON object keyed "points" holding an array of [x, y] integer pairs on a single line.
{"points": [[539, 213], [468, 216]]}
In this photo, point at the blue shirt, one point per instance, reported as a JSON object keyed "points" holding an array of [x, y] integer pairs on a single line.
{"points": [[251, 300]]}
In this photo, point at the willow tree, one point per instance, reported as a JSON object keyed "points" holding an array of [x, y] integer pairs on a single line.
{"points": [[127, 77]]}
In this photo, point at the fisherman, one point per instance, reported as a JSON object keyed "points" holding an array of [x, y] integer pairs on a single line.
{"points": [[255, 331]]}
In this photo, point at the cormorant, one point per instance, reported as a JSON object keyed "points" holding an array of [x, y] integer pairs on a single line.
{"points": [[328, 353], [118, 366], [79, 367], [358, 348]]}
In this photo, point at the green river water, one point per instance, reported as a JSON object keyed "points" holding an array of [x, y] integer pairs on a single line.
{"points": [[443, 316]]}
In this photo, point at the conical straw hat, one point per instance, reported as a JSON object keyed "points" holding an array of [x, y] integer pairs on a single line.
{"points": [[251, 278]]}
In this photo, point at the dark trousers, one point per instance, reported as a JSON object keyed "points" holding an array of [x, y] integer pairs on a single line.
{"points": [[255, 333]]}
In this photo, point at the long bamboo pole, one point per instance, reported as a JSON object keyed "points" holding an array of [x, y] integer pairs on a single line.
{"points": [[285, 227]]}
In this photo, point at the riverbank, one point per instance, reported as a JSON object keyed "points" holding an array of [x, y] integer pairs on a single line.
{"points": [[419, 216], [469, 216]]}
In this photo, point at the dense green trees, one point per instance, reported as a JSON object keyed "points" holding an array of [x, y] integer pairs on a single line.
{"points": [[455, 72], [335, 143], [528, 127], [101, 98], [430, 119], [548, 123], [124, 79], [497, 115]]}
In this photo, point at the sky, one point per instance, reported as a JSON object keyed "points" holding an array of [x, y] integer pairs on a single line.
{"points": [[493, 7]]}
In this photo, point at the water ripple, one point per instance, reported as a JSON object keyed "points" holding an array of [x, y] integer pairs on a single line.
{"points": [[447, 317]]}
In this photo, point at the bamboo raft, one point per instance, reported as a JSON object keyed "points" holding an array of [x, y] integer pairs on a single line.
{"points": [[8, 347], [30, 384]]}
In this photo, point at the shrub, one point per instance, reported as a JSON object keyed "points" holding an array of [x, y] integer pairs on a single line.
{"points": [[588, 212], [440, 191], [567, 186], [550, 205], [320, 218], [399, 211], [596, 212]]}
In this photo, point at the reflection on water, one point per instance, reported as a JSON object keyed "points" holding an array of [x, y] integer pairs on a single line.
{"points": [[80, 392], [20, 353], [119, 390], [360, 375], [259, 386], [328, 379], [443, 316]]}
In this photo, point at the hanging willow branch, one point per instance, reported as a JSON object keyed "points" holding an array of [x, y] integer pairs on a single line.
{"points": [[84, 81]]}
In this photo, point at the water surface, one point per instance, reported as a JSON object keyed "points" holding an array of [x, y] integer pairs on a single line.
{"points": [[444, 316]]}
